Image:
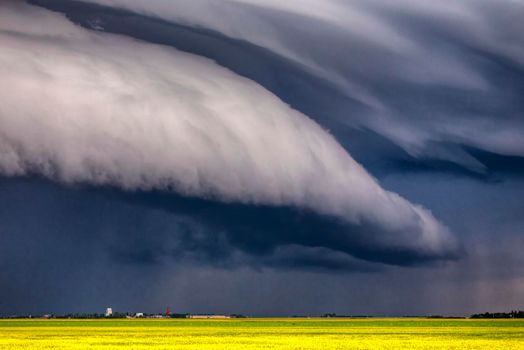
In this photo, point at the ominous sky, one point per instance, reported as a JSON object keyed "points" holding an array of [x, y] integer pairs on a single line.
{"points": [[269, 158]]}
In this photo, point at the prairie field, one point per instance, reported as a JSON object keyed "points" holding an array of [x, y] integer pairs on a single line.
{"points": [[262, 334]]}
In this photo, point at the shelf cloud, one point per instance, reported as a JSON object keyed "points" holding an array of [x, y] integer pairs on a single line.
{"points": [[85, 107], [411, 63]]}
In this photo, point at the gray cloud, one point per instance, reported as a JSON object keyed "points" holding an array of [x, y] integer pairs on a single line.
{"points": [[86, 251], [442, 80], [426, 71], [84, 107]]}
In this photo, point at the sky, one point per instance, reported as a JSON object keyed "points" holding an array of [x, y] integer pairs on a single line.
{"points": [[264, 158]]}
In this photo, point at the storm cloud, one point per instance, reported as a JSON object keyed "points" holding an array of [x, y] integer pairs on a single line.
{"points": [[285, 152], [412, 64], [107, 110]]}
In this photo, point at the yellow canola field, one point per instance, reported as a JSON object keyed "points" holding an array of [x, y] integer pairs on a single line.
{"points": [[262, 334]]}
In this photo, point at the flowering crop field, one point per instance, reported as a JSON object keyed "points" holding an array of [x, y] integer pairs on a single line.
{"points": [[263, 334]]}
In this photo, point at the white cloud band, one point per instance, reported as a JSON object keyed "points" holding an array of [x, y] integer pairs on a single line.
{"points": [[85, 107]]}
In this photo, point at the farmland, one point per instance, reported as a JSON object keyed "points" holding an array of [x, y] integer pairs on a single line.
{"points": [[263, 334]]}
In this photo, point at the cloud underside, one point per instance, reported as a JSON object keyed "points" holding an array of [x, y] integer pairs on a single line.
{"points": [[158, 228], [81, 107], [435, 79]]}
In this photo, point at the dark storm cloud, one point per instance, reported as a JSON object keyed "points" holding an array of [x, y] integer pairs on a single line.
{"points": [[223, 235], [260, 231], [66, 250], [57, 245]]}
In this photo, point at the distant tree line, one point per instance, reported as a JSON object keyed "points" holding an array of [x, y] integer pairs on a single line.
{"points": [[511, 314], [93, 315], [334, 315], [119, 315], [116, 315]]}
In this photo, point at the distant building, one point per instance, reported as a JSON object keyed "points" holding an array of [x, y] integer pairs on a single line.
{"points": [[139, 314], [209, 316], [109, 312]]}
